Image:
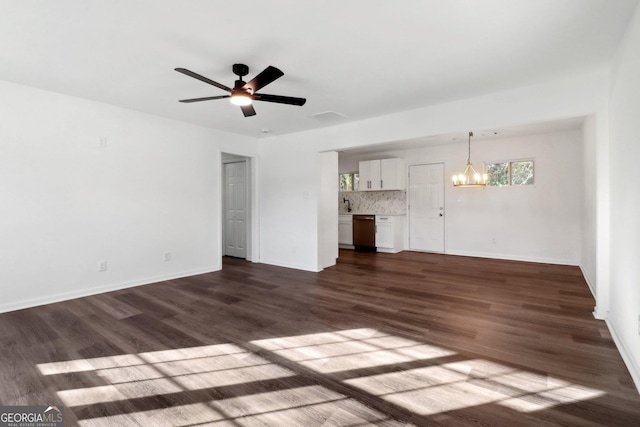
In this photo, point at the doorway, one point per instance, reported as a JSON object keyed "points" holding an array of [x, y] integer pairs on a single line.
{"points": [[236, 207], [426, 207]]}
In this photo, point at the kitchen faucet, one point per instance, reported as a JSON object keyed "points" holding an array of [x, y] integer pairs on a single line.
{"points": [[344, 200]]}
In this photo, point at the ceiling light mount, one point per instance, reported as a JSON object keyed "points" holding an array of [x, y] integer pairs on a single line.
{"points": [[240, 70], [470, 178]]}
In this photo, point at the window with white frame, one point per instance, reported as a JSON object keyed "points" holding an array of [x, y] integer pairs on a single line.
{"points": [[349, 181], [514, 173]]}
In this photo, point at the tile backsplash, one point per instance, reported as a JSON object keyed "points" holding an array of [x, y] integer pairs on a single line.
{"points": [[374, 202]]}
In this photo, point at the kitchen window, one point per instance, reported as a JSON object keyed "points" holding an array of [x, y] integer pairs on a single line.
{"points": [[513, 173], [349, 181]]}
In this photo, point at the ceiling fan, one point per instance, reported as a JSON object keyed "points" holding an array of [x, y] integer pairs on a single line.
{"points": [[243, 93]]}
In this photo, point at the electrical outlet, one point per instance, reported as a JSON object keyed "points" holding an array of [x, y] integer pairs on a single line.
{"points": [[167, 256], [102, 142], [102, 266]]}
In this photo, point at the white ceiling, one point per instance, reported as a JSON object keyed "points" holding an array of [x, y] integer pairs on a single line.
{"points": [[358, 58]]}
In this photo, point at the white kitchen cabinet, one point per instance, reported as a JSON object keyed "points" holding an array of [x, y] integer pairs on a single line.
{"points": [[392, 174], [385, 174], [389, 233], [369, 178], [345, 230]]}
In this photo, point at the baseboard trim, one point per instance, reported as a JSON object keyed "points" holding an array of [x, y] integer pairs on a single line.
{"points": [[51, 299], [389, 251], [600, 314], [514, 258], [629, 361]]}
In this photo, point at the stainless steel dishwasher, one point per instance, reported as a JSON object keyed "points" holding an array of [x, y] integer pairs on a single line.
{"points": [[364, 232]]}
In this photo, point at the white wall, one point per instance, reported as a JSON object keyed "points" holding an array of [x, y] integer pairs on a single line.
{"points": [[327, 209], [288, 161], [595, 233], [288, 201], [588, 231], [538, 223], [624, 311], [68, 203]]}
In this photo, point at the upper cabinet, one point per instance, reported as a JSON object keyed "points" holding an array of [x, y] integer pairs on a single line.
{"points": [[369, 178], [392, 174], [386, 174]]}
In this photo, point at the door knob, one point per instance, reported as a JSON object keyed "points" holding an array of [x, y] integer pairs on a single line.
{"points": [[441, 214]]}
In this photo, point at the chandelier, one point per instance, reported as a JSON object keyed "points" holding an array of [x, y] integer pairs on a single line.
{"points": [[470, 178]]}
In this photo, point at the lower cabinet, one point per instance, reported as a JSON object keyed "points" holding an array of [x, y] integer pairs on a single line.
{"points": [[390, 233], [345, 229]]}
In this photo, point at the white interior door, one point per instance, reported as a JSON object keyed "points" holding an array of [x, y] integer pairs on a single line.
{"points": [[235, 221], [426, 207]]}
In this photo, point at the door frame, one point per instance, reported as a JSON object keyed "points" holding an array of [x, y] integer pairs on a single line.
{"points": [[444, 205]]}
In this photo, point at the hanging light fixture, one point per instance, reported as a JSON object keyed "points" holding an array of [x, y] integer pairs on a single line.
{"points": [[470, 178]]}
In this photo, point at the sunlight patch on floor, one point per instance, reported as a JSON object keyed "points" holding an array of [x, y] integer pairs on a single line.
{"points": [[168, 384], [119, 361], [422, 378], [295, 406], [172, 372], [163, 372], [350, 349], [437, 387]]}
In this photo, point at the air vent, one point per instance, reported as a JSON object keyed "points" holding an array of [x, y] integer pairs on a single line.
{"points": [[328, 116]]}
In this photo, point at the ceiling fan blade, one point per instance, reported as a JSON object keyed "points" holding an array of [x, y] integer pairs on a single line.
{"points": [[202, 78], [208, 98], [248, 110], [279, 99], [267, 75]]}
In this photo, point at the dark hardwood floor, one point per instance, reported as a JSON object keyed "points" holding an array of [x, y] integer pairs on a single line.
{"points": [[379, 339]]}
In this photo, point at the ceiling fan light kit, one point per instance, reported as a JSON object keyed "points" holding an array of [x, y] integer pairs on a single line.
{"points": [[244, 93], [240, 99], [470, 178]]}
